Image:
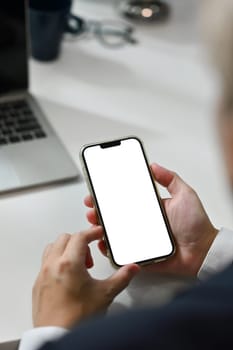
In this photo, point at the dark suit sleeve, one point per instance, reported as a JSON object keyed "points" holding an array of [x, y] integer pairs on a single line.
{"points": [[200, 319]]}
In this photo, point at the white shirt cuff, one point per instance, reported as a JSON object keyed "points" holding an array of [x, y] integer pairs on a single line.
{"points": [[36, 337], [219, 256]]}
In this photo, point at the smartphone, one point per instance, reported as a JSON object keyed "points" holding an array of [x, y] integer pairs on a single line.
{"points": [[127, 202]]}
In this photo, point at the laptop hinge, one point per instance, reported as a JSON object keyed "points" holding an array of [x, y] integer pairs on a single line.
{"points": [[13, 96]]}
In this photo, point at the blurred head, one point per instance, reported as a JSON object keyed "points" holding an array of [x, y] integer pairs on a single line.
{"points": [[218, 29]]}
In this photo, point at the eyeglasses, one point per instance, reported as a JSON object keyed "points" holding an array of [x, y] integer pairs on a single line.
{"points": [[112, 34]]}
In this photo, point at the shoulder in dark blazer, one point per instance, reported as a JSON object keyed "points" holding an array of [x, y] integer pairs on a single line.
{"points": [[202, 318]]}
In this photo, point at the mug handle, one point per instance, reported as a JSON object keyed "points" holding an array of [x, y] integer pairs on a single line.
{"points": [[75, 25]]}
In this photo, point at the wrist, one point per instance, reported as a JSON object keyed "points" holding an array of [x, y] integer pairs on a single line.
{"points": [[64, 317], [68, 316]]}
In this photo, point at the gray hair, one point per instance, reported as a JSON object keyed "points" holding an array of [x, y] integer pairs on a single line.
{"points": [[218, 32]]}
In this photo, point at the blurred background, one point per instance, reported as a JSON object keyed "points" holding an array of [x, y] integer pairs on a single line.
{"points": [[157, 84]]}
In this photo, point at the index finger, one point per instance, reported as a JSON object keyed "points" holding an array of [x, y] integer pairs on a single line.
{"points": [[88, 201], [77, 246]]}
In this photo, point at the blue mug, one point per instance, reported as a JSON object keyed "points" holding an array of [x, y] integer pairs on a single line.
{"points": [[48, 21]]}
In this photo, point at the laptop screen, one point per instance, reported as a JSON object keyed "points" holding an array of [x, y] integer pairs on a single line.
{"points": [[13, 46]]}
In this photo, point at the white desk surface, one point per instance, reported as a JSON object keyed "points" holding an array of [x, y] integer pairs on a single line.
{"points": [[159, 90]]}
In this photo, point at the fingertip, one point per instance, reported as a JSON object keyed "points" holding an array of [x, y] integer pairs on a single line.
{"points": [[162, 175], [157, 167], [99, 231], [85, 200], [92, 234], [89, 261], [89, 265], [88, 201], [134, 268], [91, 217], [97, 228], [102, 247], [130, 270]]}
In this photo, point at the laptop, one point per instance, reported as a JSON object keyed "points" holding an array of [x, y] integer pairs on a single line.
{"points": [[30, 152]]}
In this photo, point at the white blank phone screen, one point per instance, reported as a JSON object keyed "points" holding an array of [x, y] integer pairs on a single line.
{"points": [[128, 205]]}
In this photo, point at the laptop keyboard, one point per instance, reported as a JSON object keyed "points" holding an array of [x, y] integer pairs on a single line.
{"points": [[18, 123]]}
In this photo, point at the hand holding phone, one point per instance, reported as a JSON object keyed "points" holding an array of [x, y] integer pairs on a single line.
{"points": [[192, 229], [127, 202]]}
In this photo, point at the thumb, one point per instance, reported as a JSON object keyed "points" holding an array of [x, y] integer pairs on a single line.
{"points": [[168, 179], [120, 279]]}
